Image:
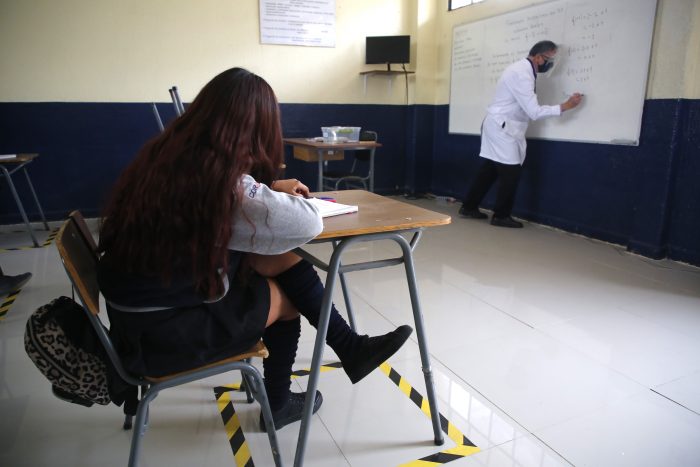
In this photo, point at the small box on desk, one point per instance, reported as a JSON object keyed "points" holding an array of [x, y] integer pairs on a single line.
{"points": [[333, 134], [311, 154]]}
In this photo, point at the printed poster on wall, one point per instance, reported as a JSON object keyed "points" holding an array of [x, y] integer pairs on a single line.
{"points": [[298, 22]]}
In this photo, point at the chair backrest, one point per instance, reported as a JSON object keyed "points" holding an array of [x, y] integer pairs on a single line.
{"points": [[78, 258], [79, 220], [365, 135], [80, 262]]}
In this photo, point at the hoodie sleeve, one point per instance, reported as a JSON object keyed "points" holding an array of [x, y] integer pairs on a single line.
{"points": [[269, 222]]}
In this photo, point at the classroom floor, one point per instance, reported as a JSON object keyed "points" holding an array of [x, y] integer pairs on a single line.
{"points": [[548, 349]]}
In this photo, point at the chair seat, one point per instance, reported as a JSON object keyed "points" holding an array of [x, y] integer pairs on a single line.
{"points": [[258, 350]]}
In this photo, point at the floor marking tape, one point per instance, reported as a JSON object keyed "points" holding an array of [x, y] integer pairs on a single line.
{"points": [[7, 303], [464, 447], [49, 240], [234, 432]]}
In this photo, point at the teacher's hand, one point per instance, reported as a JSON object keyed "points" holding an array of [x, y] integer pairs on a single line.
{"points": [[291, 186], [572, 101]]}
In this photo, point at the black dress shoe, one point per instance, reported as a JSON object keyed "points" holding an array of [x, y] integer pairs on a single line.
{"points": [[375, 351], [292, 411], [472, 213], [506, 222]]}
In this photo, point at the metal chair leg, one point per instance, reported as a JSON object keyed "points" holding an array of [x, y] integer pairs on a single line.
{"points": [[258, 389]]}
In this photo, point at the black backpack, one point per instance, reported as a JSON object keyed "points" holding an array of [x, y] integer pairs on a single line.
{"points": [[64, 346]]}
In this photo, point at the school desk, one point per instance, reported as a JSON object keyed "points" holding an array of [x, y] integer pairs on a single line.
{"points": [[378, 218], [311, 150], [10, 165]]}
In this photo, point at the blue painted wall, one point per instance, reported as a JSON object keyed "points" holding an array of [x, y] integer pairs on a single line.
{"points": [[645, 197]]}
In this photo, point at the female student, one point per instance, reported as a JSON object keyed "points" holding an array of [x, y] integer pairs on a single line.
{"points": [[197, 239]]}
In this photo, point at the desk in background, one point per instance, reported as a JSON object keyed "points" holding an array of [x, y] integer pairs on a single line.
{"points": [[310, 150], [378, 218], [14, 164]]}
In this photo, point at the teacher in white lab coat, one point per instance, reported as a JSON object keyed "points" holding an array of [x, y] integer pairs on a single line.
{"points": [[503, 143]]}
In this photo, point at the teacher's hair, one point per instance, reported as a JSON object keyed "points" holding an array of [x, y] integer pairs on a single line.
{"points": [[542, 47], [172, 207]]}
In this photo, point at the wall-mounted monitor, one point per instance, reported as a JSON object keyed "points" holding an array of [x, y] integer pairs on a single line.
{"points": [[388, 49]]}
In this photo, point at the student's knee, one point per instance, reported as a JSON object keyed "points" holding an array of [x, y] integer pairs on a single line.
{"points": [[280, 306], [272, 265]]}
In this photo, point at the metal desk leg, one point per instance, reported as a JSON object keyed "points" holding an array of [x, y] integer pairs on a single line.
{"points": [[314, 373], [36, 200], [371, 170], [320, 170], [19, 204], [346, 296], [422, 341]]}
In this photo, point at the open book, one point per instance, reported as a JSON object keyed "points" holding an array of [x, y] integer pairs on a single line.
{"points": [[330, 208]]}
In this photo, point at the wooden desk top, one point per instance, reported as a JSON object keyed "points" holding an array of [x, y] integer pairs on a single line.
{"points": [[312, 143], [376, 214], [19, 158]]}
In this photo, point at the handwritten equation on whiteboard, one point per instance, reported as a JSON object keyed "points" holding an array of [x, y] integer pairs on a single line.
{"points": [[298, 22]]}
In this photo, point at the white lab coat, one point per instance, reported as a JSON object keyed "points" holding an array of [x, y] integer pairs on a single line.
{"points": [[513, 105]]}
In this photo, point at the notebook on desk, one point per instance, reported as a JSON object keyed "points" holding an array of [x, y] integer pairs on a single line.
{"points": [[330, 208]]}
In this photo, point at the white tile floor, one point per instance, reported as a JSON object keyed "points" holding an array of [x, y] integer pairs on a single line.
{"points": [[548, 349]]}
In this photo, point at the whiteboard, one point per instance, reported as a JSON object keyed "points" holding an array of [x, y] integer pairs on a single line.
{"points": [[604, 49]]}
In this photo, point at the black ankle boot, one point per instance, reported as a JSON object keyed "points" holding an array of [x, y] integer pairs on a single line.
{"points": [[359, 354], [373, 352], [292, 411]]}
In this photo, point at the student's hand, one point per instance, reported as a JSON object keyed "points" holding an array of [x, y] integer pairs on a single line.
{"points": [[291, 186], [572, 101]]}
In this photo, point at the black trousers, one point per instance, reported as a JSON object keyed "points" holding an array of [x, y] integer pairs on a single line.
{"points": [[508, 176]]}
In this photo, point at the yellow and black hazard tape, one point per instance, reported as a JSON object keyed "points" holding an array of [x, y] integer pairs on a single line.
{"points": [[7, 302], [241, 453], [234, 432], [464, 446], [49, 240], [323, 369]]}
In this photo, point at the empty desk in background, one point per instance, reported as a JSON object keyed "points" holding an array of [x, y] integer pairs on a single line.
{"points": [[378, 218], [11, 165], [310, 150]]}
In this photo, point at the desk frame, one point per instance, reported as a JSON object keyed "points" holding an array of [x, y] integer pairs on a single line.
{"points": [[334, 268], [322, 148], [23, 160]]}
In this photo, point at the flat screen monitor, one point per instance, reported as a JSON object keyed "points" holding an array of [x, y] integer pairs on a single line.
{"points": [[388, 49]]}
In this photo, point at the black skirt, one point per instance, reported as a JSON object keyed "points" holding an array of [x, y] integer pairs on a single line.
{"points": [[159, 343]]}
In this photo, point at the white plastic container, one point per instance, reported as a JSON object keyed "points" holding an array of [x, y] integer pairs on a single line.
{"points": [[332, 134]]}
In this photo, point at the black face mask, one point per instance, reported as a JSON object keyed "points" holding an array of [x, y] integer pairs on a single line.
{"points": [[546, 66]]}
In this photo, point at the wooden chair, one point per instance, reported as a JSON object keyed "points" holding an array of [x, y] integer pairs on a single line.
{"points": [[82, 226], [333, 179], [78, 257]]}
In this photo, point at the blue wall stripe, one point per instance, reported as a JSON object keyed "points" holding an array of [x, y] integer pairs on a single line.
{"points": [[646, 198]]}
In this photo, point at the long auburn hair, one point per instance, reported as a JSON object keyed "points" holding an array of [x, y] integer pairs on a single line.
{"points": [[172, 207]]}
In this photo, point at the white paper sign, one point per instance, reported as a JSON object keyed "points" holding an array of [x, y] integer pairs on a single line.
{"points": [[298, 22]]}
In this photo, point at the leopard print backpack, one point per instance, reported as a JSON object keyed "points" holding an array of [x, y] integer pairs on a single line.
{"points": [[63, 345]]}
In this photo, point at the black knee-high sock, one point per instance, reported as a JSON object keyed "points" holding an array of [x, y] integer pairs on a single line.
{"points": [[281, 339], [305, 290]]}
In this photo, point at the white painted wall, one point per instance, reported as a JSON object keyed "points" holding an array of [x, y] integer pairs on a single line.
{"points": [[134, 50]]}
